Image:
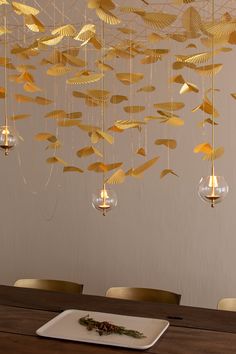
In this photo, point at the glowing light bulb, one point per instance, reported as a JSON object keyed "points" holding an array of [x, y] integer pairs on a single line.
{"points": [[8, 139], [104, 200], [213, 189]]}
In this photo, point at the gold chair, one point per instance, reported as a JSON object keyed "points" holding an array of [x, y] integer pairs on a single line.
{"points": [[52, 285], [227, 304], [144, 294]]}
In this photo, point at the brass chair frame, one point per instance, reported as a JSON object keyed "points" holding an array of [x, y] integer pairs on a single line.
{"points": [[144, 294], [52, 285]]}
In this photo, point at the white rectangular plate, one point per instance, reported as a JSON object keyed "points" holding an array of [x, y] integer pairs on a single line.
{"points": [[66, 326]]}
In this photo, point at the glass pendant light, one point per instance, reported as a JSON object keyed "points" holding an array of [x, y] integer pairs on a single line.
{"points": [[213, 189], [8, 136], [104, 200], [8, 139]]}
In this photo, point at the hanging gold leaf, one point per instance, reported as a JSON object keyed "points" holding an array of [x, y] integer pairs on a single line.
{"points": [[117, 178], [177, 79], [75, 61], [126, 30], [23, 98], [25, 67], [109, 138], [19, 117], [101, 167], [194, 59], [67, 31], [233, 95], [4, 30], [87, 151], [158, 20], [166, 172], [141, 151], [134, 109], [129, 78], [22, 9], [215, 154], [88, 128], [147, 89], [207, 107], [34, 24], [42, 100], [208, 70], [170, 106], [58, 70], [170, 143], [55, 159], [220, 28], [46, 136], [178, 37], [150, 59], [188, 87], [58, 113], [175, 121], [99, 94], [118, 99], [155, 37], [87, 79], [51, 40], [31, 87], [142, 168], [72, 169], [103, 67], [4, 2], [206, 121], [127, 124], [74, 115], [191, 45], [107, 16], [54, 146], [204, 148], [191, 20], [86, 33], [2, 92], [115, 129]]}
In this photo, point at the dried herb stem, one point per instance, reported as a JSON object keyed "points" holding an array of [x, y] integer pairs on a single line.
{"points": [[106, 328]]}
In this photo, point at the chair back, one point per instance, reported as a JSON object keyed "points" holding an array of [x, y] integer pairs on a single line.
{"points": [[52, 285], [227, 304], [144, 294]]}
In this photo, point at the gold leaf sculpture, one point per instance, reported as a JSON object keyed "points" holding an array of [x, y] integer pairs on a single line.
{"points": [[42, 100], [46, 136], [56, 159], [72, 169], [117, 178], [142, 168], [86, 33], [147, 89], [67, 31], [141, 151], [127, 124], [174, 121], [158, 20], [58, 113], [22, 9], [19, 116], [170, 106], [87, 151], [215, 154], [203, 148], [34, 24], [199, 58], [206, 106], [191, 20], [102, 167], [170, 143], [134, 109], [58, 70], [129, 78], [188, 87], [85, 79], [166, 172], [209, 69], [115, 99]]}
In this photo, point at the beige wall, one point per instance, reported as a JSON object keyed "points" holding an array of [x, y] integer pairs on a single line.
{"points": [[160, 235]]}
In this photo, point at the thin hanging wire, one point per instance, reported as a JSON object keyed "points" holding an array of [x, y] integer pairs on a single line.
{"points": [[5, 73], [213, 90]]}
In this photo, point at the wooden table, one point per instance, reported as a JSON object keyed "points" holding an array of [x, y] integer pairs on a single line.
{"points": [[192, 330]]}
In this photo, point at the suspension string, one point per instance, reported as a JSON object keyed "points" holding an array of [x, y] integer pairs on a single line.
{"points": [[103, 102], [212, 91], [5, 71]]}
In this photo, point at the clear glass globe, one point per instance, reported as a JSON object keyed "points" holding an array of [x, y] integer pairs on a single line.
{"points": [[8, 138], [104, 200], [213, 189]]}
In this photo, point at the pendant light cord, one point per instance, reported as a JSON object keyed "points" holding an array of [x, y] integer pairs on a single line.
{"points": [[212, 90], [5, 70]]}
